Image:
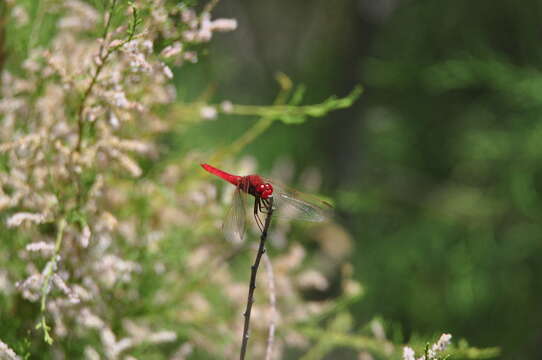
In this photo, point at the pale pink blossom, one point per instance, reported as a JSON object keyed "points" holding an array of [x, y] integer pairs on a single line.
{"points": [[41, 246], [408, 353], [224, 25], [85, 236], [19, 218], [226, 106], [172, 50], [208, 112], [313, 279], [7, 353], [167, 71]]}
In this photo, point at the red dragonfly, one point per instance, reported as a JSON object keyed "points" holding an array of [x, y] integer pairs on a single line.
{"points": [[286, 203]]}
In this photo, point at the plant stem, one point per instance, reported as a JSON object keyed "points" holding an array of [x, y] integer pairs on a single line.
{"points": [[252, 285], [48, 273], [102, 60]]}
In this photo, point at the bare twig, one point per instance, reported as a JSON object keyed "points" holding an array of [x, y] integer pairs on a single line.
{"points": [[273, 304], [252, 286]]}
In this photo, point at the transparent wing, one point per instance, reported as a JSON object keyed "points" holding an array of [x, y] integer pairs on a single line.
{"points": [[293, 204], [235, 222]]}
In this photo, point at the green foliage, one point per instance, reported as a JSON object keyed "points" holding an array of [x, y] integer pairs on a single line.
{"points": [[451, 196], [294, 114]]}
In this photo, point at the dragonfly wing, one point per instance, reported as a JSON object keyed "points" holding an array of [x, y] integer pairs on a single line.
{"points": [[289, 204], [234, 225]]}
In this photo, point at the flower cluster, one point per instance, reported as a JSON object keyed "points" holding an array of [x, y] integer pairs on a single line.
{"points": [[75, 115], [433, 352], [7, 353]]}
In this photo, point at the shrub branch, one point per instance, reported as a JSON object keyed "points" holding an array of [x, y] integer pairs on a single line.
{"points": [[252, 285]]}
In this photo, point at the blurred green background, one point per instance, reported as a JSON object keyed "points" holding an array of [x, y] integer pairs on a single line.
{"points": [[436, 171]]}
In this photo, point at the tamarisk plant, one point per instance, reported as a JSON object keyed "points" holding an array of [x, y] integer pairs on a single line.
{"points": [[74, 112]]}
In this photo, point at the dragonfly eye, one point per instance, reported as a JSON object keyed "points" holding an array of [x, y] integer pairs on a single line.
{"points": [[264, 190], [267, 190], [266, 194]]}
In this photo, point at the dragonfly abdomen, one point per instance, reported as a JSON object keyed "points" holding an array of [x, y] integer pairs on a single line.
{"points": [[232, 179]]}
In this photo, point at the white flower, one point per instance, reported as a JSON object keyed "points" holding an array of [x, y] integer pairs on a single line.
{"points": [[167, 71], [40, 246], [206, 31], [130, 46], [408, 353], [162, 337], [188, 15], [172, 50], [7, 353], [115, 43], [88, 319], [31, 287], [120, 100], [440, 345], [18, 218], [80, 16], [224, 25], [91, 353], [443, 342], [147, 46], [313, 279], [114, 120], [139, 63], [61, 284], [126, 162], [85, 236], [208, 112], [226, 106], [432, 354]]}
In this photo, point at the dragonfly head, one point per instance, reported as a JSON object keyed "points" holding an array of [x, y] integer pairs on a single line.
{"points": [[264, 190]]}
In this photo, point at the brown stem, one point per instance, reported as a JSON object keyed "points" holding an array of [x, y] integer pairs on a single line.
{"points": [[252, 285]]}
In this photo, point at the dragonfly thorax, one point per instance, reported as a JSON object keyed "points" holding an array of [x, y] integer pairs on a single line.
{"points": [[264, 190]]}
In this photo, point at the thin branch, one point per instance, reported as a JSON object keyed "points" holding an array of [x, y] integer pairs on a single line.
{"points": [[102, 60], [273, 304], [48, 272], [314, 110], [252, 286]]}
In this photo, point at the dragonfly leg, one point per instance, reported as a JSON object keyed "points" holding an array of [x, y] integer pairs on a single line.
{"points": [[264, 206], [257, 207]]}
